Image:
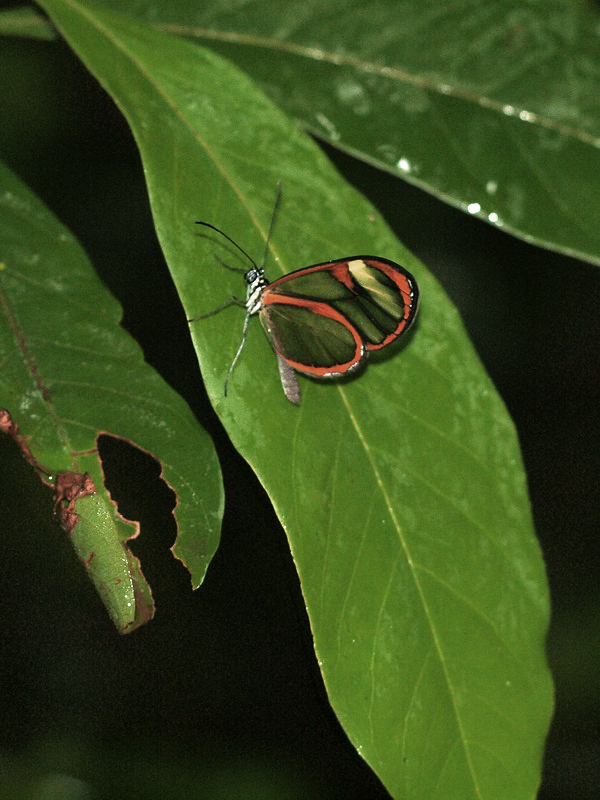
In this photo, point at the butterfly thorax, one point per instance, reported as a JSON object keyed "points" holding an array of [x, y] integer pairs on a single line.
{"points": [[257, 283]]}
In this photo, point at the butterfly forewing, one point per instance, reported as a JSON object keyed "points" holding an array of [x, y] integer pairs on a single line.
{"points": [[387, 295]]}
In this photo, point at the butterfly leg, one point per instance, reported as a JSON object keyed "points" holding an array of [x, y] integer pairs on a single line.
{"points": [[230, 301], [239, 352]]}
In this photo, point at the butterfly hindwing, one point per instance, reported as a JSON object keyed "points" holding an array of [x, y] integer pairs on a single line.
{"points": [[312, 336]]}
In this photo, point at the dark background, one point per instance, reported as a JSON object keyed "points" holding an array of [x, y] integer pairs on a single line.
{"points": [[220, 696]]}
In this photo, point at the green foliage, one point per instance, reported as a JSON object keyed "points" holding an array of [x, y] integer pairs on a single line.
{"points": [[69, 374], [401, 491]]}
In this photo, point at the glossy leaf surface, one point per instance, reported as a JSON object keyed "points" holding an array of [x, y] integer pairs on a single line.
{"points": [[402, 491], [491, 106]]}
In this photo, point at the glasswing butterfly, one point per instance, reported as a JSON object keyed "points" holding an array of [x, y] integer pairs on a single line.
{"points": [[324, 320]]}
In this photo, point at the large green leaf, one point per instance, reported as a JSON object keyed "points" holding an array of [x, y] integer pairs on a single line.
{"points": [[401, 491], [69, 373], [492, 106]]}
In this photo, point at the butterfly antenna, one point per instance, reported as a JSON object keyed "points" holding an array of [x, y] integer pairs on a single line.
{"points": [[229, 239], [273, 215]]}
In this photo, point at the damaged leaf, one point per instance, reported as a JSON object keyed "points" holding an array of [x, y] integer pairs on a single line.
{"points": [[114, 570], [69, 374]]}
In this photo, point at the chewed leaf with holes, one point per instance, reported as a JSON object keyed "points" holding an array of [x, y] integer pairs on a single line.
{"points": [[69, 373]]}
